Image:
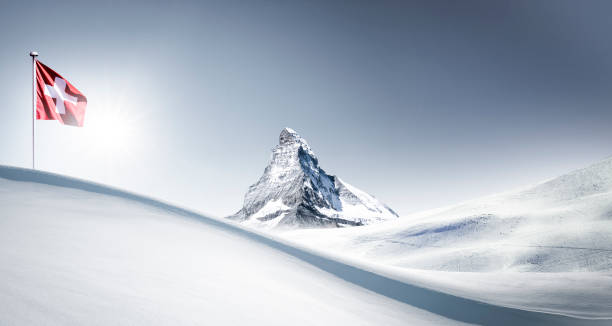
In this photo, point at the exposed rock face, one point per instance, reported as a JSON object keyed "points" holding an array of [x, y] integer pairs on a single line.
{"points": [[295, 192]]}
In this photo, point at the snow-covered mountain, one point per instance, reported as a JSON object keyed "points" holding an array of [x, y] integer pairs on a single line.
{"points": [[295, 191]]}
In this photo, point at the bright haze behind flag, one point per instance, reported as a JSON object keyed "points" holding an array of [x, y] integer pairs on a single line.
{"points": [[57, 99]]}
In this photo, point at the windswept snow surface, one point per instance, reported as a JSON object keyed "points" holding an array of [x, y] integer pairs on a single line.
{"points": [[79, 253], [546, 247], [74, 257]]}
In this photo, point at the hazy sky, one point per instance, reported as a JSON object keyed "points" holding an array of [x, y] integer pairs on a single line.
{"points": [[421, 104]]}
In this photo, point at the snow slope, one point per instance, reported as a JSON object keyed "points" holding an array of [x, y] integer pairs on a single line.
{"points": [[75, 253], [69, 256], [545, 247]]}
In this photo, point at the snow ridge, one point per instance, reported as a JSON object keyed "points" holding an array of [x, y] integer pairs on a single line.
{"points": [[563, 225], [295, 191]]}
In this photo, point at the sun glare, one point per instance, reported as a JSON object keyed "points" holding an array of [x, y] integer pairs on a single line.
{"points": [[110, 132]]}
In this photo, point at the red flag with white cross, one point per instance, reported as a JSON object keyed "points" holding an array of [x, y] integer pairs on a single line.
{"points": [[57, 99]]}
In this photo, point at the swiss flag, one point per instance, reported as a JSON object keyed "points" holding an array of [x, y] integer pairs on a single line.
{"points": [[57, 99]]}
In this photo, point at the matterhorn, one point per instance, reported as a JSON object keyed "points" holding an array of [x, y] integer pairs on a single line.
{"points": [[295, 191]]}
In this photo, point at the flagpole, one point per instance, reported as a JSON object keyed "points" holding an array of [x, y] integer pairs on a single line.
{"points": [[33, 54]]}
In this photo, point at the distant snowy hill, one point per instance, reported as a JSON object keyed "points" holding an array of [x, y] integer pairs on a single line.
{"points": [[562, 225], [295, 191], [546, 247]]}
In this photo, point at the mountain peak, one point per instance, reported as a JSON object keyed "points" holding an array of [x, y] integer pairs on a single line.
{"points": [[288, 136]]}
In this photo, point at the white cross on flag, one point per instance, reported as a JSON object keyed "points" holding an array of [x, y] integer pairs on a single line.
{"points": [[57, 99]]}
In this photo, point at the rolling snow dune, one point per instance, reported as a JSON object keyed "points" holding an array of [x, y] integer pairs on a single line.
{"points": [[74, 252], [546, 247]]}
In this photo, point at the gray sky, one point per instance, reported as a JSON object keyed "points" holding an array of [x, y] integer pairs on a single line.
{"points": [[421, 104]]}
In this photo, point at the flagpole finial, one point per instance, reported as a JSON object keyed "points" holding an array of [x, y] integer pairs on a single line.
{"points": [[33, 54]]}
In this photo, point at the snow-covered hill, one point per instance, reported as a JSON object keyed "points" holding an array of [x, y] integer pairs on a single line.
{"points": [[295, 191], [562, 225], [79, 253], [549, 241]]}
